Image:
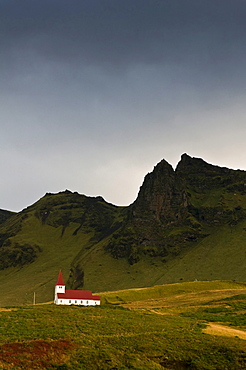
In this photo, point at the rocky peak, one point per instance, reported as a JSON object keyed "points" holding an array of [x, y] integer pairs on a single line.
{"points": [[162, 195], [201, 175], [198, 166]]}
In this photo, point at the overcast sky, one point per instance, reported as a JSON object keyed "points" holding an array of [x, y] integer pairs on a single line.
{"points": [[94, 93]]}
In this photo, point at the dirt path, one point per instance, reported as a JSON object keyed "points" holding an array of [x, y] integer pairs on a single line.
{"points": [[216, 329], [161, 313], [7, 309]]}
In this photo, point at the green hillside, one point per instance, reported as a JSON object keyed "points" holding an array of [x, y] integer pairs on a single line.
{"points": [[212, 258], [198, 325], [36, 250], [186, 224]]}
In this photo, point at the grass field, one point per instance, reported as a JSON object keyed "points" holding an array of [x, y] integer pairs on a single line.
{"points": [[162, 327]]}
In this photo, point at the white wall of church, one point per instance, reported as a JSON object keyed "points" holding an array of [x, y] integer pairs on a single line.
{"points": [[78, 302]]}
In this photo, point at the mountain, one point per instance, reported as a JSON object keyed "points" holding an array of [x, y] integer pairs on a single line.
{"points": [[187, 223]]}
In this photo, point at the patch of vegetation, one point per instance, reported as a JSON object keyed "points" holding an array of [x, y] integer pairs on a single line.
{"points": [[4, 215], [237, 298], [36, 354], [17, 254], [230, 310]]}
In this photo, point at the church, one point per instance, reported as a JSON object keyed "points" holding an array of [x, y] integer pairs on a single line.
{"points": [[75, 297]]}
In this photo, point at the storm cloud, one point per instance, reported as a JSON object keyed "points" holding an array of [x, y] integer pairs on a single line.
{"points": [[94, 93]]}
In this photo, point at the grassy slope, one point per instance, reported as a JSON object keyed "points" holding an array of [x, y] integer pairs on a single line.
{"points": [[219, 256], [167, 291], [107, 337], [40, 276]]}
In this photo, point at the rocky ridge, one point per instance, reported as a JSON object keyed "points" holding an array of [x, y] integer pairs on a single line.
{"points": [[175, 209]]}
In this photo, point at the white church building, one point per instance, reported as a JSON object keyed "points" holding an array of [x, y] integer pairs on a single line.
{"points": [[76, 297]]}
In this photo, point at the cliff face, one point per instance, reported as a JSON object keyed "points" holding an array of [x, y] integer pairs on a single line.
{"points": [[216, 194], [162, 197], [159, 221], [202, 175], [175, 208]]}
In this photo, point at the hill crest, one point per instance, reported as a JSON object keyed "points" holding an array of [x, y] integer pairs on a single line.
{"points": [[176, 218]]}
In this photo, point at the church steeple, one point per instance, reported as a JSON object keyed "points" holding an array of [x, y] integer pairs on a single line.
{"points": [[60, 280], [60, 286]]}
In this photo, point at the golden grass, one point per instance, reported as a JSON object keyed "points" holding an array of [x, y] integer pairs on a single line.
{"points": [[222, 330]]}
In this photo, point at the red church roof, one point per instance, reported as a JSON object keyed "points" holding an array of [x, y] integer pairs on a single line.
{"points": [[75, 294], [60, 280], [78, 294]]}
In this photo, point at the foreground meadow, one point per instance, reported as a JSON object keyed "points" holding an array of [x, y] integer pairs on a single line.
{"points": [[163, 327]]}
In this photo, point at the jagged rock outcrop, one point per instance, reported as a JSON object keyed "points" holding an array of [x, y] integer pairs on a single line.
{"points": [[202, 175], [76, 276], [161, 207], [162, 196], [215, 193], [174, 207]]}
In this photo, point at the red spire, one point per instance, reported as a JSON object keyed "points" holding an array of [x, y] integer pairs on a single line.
{"points": [[60, 280]]}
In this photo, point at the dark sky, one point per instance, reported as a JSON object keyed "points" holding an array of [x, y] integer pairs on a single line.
{"points": [[95, 93]]}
